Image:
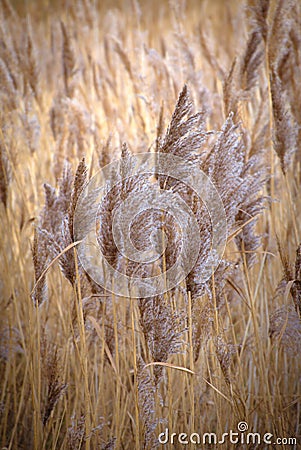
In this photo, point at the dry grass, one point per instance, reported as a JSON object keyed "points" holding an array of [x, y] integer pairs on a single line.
{"points": [[217, 83]]}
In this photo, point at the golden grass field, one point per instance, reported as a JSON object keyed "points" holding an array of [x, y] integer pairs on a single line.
{"points": [[217, 83]]}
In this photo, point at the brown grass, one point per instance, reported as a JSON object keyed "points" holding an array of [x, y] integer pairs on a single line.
{"points": [[217, 83]]}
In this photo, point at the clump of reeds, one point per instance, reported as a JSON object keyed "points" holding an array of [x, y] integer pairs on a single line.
{"points": [[217, 84]]}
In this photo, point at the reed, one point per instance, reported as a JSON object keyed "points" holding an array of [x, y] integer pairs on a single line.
{"points": [[86, 83]]}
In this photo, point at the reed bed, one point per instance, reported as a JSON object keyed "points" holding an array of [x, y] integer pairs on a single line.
{"points": [[84, 83]]}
